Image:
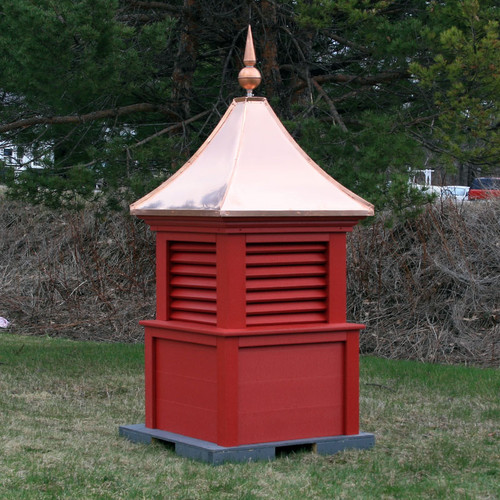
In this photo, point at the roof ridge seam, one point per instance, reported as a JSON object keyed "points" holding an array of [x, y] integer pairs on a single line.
{"points": [[236, 156]]}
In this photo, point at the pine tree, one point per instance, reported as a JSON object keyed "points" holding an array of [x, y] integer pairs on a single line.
{"points": [[123, 92]]}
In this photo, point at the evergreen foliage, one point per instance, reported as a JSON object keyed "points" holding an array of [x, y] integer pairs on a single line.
{"points": [[121, 92]]}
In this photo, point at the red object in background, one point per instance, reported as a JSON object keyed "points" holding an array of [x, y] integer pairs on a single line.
{"points": [[485, 188], [251, 342]]}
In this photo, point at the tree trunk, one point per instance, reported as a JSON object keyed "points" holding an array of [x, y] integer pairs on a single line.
{"points": [[271, 77], [185, 62]]}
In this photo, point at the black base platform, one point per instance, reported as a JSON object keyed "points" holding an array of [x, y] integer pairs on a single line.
{"points": [[214, 454]]}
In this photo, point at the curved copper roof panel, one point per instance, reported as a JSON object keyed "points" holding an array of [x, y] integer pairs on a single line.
{"points": [[251, 166]]}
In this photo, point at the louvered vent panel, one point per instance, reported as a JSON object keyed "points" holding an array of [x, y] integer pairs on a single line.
{"points": [[192, 282], [286, 283]]}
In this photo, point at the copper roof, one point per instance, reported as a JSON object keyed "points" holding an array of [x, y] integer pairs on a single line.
{"points": [[251, 166]]}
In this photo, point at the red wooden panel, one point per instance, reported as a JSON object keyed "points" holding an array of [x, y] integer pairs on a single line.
{"points": [[198, 423], [186, 391], [281, 394], [227, 393], [351, 403], [291, 361], [185, 359], [286, 295], [284, 425], [149, 372], [186, 388], [161, 277], [231, 291], [291, 392], [337, 278]]}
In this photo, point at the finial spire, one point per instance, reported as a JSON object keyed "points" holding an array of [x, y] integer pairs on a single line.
{"points": [[249, 77], [249, 58]]}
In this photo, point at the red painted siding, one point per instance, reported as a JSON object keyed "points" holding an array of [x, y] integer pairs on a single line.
{"points": [[251, 342], [291, 392], [186, 389]]}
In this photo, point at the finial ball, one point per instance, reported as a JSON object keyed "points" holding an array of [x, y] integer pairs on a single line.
{"points": [[249, 78]]}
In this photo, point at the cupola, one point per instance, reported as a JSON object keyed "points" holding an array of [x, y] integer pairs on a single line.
{"points": [[251, 350]]}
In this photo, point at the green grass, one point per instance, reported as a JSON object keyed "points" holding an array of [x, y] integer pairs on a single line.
{"points": [[61, 403]]}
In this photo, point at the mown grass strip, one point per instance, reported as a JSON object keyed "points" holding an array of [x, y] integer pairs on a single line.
{"points": [[62, 401]]}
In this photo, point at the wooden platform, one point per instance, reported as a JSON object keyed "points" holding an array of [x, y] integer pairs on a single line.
{"points": [[214, 454]]}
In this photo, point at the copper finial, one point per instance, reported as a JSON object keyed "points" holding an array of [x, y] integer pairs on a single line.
{"points": [[249, 77]]}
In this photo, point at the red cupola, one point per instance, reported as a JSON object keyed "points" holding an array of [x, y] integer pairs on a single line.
{"points": [[250, 350]]}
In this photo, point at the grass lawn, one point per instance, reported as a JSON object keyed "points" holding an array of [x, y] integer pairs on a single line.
{"points": [[61, 402]]}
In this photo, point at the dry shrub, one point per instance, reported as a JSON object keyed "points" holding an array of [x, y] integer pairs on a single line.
{"points": [[79, 275], [428, 288]]}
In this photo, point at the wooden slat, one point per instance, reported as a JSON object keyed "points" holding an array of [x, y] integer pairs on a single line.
{"points": [[286, 283], [188, 246], [285, 248], [192, 270], [266, 260], [286, 307], [193, 258], [286, 295], [194, 305], [208, 319], [194, 294], [285, 271], [193, 282]]}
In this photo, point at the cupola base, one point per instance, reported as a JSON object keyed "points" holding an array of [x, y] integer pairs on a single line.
{"points": [[214, 454]]}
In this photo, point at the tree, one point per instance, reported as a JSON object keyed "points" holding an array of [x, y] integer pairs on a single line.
{"points": [[125, 91], [462, 83]]}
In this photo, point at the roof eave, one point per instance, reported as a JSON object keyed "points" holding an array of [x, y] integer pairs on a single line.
{"points": [[254, 213]]}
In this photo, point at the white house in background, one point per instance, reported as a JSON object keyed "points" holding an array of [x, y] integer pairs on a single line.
{"points": [[10, 155], [17, 157]]}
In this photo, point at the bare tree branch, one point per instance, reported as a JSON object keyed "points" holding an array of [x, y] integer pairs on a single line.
{"points": [[348, 43], [333, 110], [173, 9], [422, 119], [79, 119], [170, 129], [388, 76], [352, 94]]}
